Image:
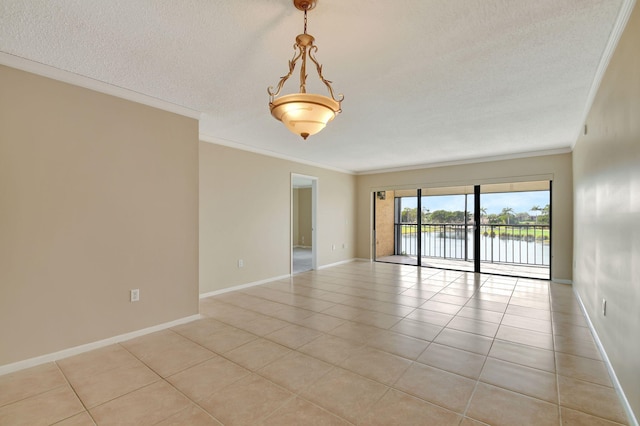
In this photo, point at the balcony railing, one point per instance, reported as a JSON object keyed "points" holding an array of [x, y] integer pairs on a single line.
{"points": [[517, 244]]}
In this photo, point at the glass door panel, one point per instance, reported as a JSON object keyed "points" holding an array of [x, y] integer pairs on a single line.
{"points": [[447, 227], [515, 230]]}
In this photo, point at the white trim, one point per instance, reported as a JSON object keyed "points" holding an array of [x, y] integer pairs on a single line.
{"points": [[616, 34], [92, 84], [65, 353], [562, 281], [616, 383], [242, 147], [514, 156], [242, 286]]}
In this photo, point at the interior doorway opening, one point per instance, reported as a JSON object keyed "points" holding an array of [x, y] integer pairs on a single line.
{"points": [[303, 223]]}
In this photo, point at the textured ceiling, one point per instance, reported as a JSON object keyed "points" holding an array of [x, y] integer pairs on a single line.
{"points": [[425, 81]]}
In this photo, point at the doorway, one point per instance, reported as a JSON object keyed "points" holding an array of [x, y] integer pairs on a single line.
{"points": [[303, 223]]}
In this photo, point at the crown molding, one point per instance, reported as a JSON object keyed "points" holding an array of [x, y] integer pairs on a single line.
{"points": [[469, 161], [616, 34], [92, 84], [242, 147]]}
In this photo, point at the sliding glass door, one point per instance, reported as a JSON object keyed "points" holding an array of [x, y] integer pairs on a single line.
{"points": [[501, 229]]}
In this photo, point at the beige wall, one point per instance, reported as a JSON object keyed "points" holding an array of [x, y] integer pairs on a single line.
{"points": [[245, 213], [98, 196], [302, 221], [606, 164], [553, 167]]}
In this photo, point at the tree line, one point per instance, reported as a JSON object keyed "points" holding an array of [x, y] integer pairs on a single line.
{"points": [[507, 216]]}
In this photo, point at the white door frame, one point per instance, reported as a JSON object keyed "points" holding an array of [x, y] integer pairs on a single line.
{"points": [[313, 180]]}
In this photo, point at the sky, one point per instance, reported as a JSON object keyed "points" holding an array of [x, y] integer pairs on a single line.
{"points": [[520, 202]]}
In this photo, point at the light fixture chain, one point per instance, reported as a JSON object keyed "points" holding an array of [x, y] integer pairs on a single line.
{"points": [[305, 21]]}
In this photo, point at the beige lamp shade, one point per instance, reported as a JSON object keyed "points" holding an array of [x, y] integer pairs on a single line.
{"points": [[304, 114]]}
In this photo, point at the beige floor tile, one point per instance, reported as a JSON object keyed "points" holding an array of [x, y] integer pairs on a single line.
{"points": [[329, 348], [345, 312], [576, 319], [452, 296], [536, 303], [541, 326], [167, 352], [190, 416], [377, 319], [454, 360], [398, 408], [199, 329], [577, 418], [82, 419], [471, 422], [96, 389], [267, 307], [32, 381], [264, 325], [497, 406], [417, 329], [474, 326], [487, 305], [431, 317], [346, 394], [292, 314], [201, 381], [601, 401], [398, 344], [437, 386], [296, 371], [355, 332], [43, 409], [481, 314], [320, 322], [518, 378], [97, 361], [376, 365], [587, 369], [465, 341], [226, 339], [145, 406], [523, 311], [442, 307], [529, 356], [257, 353], [300, 412], [247, 401], [525, 337], [577, 346], [566, 329], [293, 336]]}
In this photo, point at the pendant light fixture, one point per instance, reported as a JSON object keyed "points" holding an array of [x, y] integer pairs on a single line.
{"points": [[303, 113]]}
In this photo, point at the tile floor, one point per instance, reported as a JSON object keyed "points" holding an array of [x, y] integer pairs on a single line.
{"points": [[362, 343]]}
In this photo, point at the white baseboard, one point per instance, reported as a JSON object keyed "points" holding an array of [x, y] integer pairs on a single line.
{"points": [[65, 353], [616, 383], [242, 286], [562, 281]]}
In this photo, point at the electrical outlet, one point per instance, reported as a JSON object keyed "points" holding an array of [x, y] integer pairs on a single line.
{"points": [[240, 263], [333, 246], [135, 295]]}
